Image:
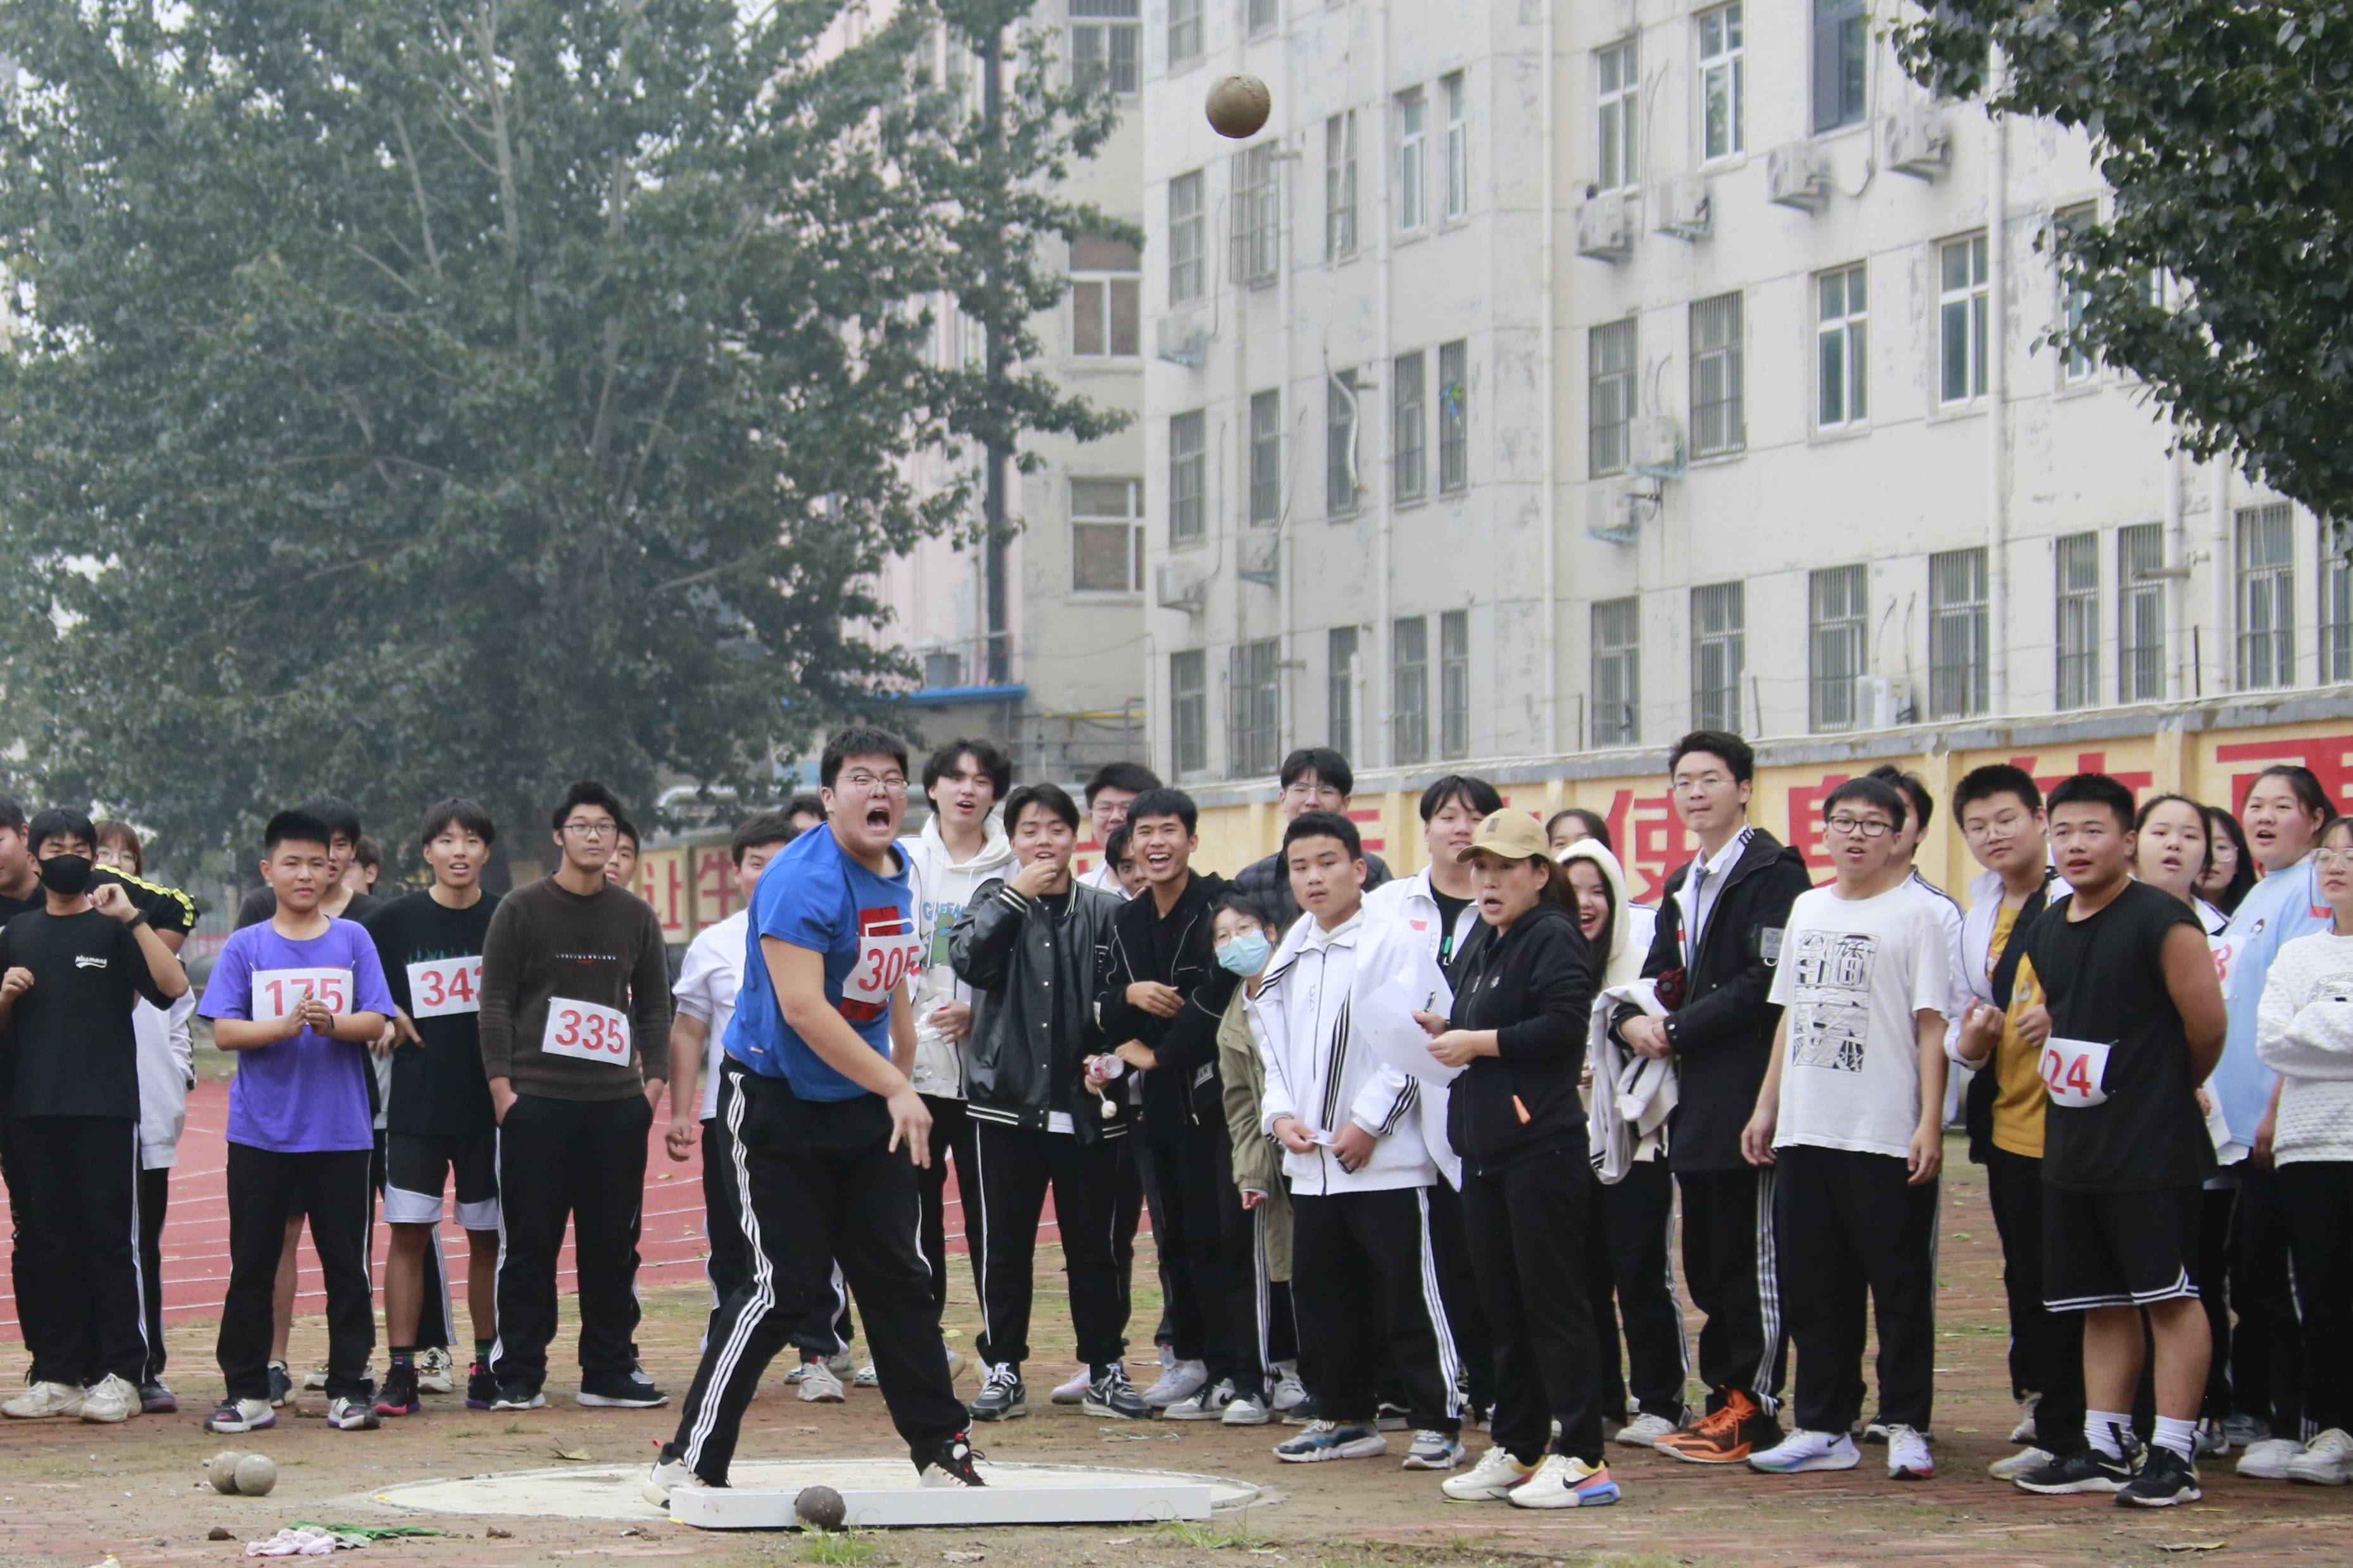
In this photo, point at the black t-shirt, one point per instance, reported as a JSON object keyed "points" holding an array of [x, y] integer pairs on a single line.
{"points": [[71, 1050], [262, 903], [437, 1088], [2105, 981], [1450, 911]]}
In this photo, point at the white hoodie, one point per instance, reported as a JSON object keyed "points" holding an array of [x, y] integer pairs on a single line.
{"points": [[166, 1072], [942, 888], [1628, 1121]]}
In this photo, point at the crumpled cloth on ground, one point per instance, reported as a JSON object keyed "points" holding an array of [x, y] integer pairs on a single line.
{"points": [[309, 1540]]}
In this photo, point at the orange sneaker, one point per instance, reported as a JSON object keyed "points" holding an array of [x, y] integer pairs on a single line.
{"points": [[1725, 1438]]}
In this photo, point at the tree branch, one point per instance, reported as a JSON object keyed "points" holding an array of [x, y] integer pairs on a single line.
{"points": [[416, 187]]}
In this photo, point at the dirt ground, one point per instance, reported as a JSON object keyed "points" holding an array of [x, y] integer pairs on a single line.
{"points": [[73, 1495]]}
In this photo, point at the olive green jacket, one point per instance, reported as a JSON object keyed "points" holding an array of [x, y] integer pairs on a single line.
{"points": [[1258, 1161]]}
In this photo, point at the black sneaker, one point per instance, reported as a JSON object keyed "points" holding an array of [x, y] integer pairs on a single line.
{"points": [[952, 1463], [519, 1396], [1111, 1393], [281, 1385], [630, 1389], [2165, 1478], [398, 1395], [481, 1388], [1003, 1396], [2086, 1470], [156, 1398]]}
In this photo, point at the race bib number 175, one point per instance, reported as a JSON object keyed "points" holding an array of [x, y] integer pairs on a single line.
{"points": [[280, 993]]}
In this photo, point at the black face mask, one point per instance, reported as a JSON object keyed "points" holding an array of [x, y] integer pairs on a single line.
{"points": [[66, 874]]}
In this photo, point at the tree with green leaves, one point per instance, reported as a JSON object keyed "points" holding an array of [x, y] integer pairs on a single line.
{"points": [[2225, 130], [419, 396]]}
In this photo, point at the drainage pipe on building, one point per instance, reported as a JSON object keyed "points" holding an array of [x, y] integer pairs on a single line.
{"points": [[2176, 589], [2220, 567], [1384, 518], [1997, 696], [1547, 397]]}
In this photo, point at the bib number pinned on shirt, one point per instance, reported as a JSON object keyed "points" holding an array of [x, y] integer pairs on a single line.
{"points": [[888, 952], [2073, 1071], [280, 993], [440, 986], [587, 1031]]}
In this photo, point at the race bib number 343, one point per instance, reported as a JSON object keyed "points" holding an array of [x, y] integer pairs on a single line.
{"points": [[587, 1030], [440, 986], [280, 993]]}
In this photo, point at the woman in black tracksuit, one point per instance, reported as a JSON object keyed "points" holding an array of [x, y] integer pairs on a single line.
{"points": [[1523, 1000]]}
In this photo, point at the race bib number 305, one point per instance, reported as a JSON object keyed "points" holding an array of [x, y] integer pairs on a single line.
{"points": [[888, 952], [440, 986], [2072, 1070], [587, 1030], [280, 993]]}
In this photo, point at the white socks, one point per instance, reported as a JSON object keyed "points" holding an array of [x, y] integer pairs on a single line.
{"points": [[2180, 1436], [2104, 1430]]}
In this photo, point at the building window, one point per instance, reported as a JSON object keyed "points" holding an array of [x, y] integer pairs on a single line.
{"points": [[1340, 185], [1453, 417], [1104, 35], [1409, 659], [2140, 614], [1188, 276], [1719, 654], [1105, 283], [1619, 87], [2075, 366], [1188, 710], [1189, 466], [1254, 699], [1837, 626], [2076, 567], [1961, 319], [1458, 145], [1957, 634], [1264, 15], [1454, 684], [1413, 139], [1409, 433], [2336, 610], [1617, 672], [1609, 400], [1842, 347], [1106, 536], [1257, 231], [1842, 62], [2266, 596], [1266, 458], [1717, 425], [1723, 84], [1340, 443], [1340, 688], [1184, 33]]}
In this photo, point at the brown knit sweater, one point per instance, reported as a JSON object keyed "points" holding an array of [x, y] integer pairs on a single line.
{"points": [[606, 948]]}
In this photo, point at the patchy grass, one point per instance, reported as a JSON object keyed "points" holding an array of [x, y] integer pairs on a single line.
{"points": [[835, 1548], [1207, 1537]]}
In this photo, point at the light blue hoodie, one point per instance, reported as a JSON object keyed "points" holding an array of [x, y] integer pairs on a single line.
{"points": [[2285, 905]]}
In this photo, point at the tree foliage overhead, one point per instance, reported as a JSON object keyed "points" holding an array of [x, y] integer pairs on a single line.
{"points": [[417, 396], [2226, 132]]}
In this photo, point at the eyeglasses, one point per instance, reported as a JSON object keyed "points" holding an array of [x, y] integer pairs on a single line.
{"points": [[1859, 826], [868, 783], [1699, 781], [592, 829], [1310, 792], [2329, 860]]}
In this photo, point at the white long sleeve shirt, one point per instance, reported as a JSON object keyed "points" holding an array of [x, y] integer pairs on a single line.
{"points": [[2303, 1032]]}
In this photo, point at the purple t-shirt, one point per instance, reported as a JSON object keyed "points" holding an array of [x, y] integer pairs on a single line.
{"points": [[309, 1094]]}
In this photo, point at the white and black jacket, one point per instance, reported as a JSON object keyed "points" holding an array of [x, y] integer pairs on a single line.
{"points": [[1411, 900]]}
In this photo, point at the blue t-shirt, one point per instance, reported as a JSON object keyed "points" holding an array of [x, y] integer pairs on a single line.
{"points": [[308, 1094], [815, 897], [2286, 904]]}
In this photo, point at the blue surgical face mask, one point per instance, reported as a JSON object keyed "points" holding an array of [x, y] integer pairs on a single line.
{"points": [[1245, 953]]}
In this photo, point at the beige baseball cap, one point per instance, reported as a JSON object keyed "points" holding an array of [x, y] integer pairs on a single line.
{"points": [[1514, 834]]}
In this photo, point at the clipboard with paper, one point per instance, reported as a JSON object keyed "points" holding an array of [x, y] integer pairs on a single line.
{"points": [[1384, 1020]]}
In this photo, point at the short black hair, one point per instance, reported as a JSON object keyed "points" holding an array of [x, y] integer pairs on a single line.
{"points": [[1328, 766], [2095, 789], [1735, 753], [1476, 793], [1915, 791], [859, 741], [366, 852], [1870, 791], [1114, 847], [755, 832], [1165, 802], [1242, 903], [12, 813], [989, 756], [1993, 779], [587, 792], [60, 822], [296, 826], [1053, 798], [1134, 777], [340, 815], [804, 804], [624, 828], [1324, 825], [1597, 827], [466, 816]]}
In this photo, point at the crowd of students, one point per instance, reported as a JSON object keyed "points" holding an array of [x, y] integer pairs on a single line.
{"points": [[1414, 1148]]}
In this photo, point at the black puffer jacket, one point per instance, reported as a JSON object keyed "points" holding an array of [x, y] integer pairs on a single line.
{"points": [[1033, 1015], [1267, 880], [1534, 985]]}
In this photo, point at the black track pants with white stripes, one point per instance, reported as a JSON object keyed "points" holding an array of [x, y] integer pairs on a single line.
{"points": [[817, 1184], [1363, 1273], [1629, 1235], [583, 1161], [1728, 1265], [78, 1179]]}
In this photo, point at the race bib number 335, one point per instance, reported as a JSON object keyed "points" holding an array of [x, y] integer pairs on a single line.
{"points": [[587, 1030], [280, 993], [440, 986]]}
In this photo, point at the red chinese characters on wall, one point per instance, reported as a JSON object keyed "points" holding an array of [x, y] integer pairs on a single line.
{"points": [[715, 884], [2326, 756], [662, 882], [1650, 838]]}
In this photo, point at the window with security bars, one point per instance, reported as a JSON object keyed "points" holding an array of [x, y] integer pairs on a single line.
{"points": [[1717, 425], [2075, 563], [2266, 596], [1106, 536], [2140, 613], [1453, 416], [1340, 443], [1836, 625], [1409, 427], [1188, 466], [1184, 33], [1106, 285], [1266, 458], [1340, 688], [1957, 634], [1340, 185], [1609, 395], [1409, 689], [1187, 224], [1454, 684], [2336, 609], [1253, 698], [1719, 654], [1188, 711], [1263, 15], [1257, 233], [1105, 51], [1616, 696]]}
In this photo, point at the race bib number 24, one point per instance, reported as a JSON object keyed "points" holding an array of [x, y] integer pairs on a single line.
{"points": [[2073, 1070]]}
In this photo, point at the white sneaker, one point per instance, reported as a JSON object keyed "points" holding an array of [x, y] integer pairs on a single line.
{"points": [[2026, 1431], [1290, 1394], [111, 1400], [818, 1384], [665, 1477], [1563, 1482], [866, 1377], [1908, 1458], [433, 1371], [1490, 1481], [1802, 1450], [43, 1400], [2327, 1460], [1644, 1431], [1247, 1410], [2019, 1464], [1207, 1404], [1179, 1382], [2268, 1460], [1433, 1451], [1075, 1390], [839, 1364]]}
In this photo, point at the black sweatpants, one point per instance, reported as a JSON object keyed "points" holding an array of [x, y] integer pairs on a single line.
{"points": [[1208, 1252], [1850, 1225], [1363, 1274], [1730, 1270], [1012, 1170], [2318, 1197], [1630, 1273], [2217, 1216], [2267, 1349], [818, 1183], [951, 1134], [1526, 1228], [1127, 1219], [21, 1288], [79, 1175], [2046, 1348], [332, 1188], [582, 1160], [154, 1198]]}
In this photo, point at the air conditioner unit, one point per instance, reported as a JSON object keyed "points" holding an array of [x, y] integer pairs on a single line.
{"points": [[1794, 176], [1180, 586], [1654, 447], [1257, 556], [1882, 701], [1684, 209], [1184, 337], [1604, 228], [1916, 141], [1610, 513]]}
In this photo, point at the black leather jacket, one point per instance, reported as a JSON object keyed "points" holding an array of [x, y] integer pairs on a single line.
{"points": [[1033, 980]]}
